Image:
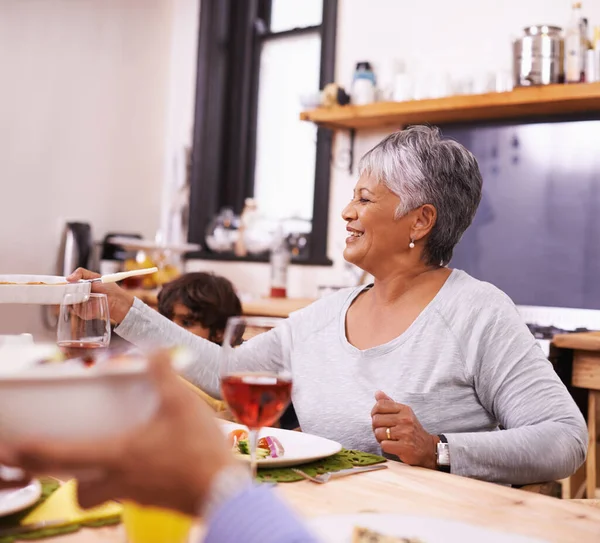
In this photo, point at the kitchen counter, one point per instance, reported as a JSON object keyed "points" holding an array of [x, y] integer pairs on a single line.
{"points": [[264, 307]]}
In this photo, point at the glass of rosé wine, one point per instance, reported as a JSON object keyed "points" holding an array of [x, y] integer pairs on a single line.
{"points": [[83, 327], [254, 384]]}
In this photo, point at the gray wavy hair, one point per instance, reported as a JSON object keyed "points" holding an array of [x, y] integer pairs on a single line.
{"points": [[420, 167]]}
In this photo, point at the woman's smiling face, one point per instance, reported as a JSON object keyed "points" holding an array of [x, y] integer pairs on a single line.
{"points": [[374, 234]]}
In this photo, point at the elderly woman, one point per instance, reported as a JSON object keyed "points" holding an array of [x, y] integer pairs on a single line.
{"points": [[427, 364]]}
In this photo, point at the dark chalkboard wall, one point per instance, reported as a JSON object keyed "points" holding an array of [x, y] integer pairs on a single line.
{"points": [[536, 234]]}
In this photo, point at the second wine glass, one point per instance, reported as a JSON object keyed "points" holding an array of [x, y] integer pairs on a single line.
{"points": [[256, 396]]}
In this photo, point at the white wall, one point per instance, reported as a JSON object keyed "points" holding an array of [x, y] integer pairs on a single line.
{"points": [[181, 100], [83, 124], [468, 38]]}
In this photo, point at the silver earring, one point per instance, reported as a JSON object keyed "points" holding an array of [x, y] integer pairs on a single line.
{"points": [[412, 243]]}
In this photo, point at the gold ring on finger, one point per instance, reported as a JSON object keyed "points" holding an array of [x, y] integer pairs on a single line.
{"points": [[388, 434]]}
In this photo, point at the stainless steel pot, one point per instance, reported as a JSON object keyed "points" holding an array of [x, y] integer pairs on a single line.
{"points": [[538, 56]]}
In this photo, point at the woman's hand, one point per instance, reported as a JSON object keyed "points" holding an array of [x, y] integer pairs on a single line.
{"points": [[399, 432], [169, 462], [119, 300]]}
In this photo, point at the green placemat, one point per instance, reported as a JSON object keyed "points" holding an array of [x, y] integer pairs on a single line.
{"points": [[342, 460], [48, 487]]}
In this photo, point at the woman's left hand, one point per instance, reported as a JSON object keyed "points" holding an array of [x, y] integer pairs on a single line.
{"points": [[399, 432]]}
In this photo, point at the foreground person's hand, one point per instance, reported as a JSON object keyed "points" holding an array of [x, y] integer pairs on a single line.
{"points": [[119, 300], [170, 462], [399, 432]]}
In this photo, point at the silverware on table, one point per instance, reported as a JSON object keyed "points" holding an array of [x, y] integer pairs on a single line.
{"points": [[324, 477], [116, 277], [18, 530]]}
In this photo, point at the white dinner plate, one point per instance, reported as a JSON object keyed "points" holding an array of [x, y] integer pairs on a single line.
{"points": [[299, 448], [17, 499], [338, 529], [51, 293]]}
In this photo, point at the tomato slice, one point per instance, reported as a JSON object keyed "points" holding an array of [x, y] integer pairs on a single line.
{"points": [[236, 436]]}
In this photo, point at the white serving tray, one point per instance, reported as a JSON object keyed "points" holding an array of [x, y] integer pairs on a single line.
{"points": [[51, 293]]}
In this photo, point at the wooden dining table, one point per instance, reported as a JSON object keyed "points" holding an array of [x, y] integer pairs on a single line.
{"points": [[406, 490]]}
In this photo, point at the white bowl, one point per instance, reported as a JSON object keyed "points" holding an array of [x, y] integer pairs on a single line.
{"points": [[16, 339], [51, 292], [71, 402]]}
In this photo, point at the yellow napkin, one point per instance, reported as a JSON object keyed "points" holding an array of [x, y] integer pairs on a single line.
{"points": [[62, 505]]}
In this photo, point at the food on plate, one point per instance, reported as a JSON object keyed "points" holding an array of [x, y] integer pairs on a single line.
{"points": [[235, 436], [364, 535], [267, 447]]}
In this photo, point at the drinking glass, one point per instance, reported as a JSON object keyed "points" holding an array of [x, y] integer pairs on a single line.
{"points": [[154, 525], [257, 390], [83, 326]]}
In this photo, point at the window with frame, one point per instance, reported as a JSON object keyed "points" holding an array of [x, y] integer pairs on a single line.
{"points": [[255, 60]]}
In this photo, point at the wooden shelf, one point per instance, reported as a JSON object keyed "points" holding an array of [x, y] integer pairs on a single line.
{"points": [[521, 103]]}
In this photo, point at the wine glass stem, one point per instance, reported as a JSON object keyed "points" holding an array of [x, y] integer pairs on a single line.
{"points": [[252, 442]]}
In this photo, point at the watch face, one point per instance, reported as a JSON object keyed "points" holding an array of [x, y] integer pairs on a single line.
{"points": [[443, 454]]}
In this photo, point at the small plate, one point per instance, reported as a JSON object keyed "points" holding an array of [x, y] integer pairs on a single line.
{"points": [[339, 528], [52, 292], [17, 499], [299, 448]]}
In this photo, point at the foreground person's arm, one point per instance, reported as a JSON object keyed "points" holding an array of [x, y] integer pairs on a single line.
{"points": [[544, 436], [255, 515], [193, 471]]}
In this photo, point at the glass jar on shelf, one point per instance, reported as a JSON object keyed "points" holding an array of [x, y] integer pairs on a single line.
{"points": [[223, 231]]}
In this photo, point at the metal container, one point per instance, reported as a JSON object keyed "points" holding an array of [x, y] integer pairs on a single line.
{"points": [[75, 248], [538, 56]]}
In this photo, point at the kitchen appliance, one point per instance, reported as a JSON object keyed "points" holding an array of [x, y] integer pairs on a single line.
{"points": [[222, 232], [538, 56], [76, 248], [113, 255]]}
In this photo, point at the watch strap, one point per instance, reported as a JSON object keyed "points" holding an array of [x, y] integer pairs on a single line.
{"points": [[443, 454]]}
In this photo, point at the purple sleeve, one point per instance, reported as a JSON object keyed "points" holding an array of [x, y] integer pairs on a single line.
{"points": [[256, 515]]}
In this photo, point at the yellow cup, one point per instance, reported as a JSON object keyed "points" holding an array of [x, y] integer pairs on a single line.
{"points": [[154, 525]]}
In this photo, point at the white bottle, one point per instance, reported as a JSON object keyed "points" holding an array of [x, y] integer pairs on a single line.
{"points": [[597, 52], [280, 261], [573, 51], [592, 73]]}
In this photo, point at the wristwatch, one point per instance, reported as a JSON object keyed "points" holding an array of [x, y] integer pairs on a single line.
{"points": [[443, 454]]}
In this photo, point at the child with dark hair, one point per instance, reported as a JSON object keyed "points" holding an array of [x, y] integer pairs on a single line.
{"points": [[201, 303]]}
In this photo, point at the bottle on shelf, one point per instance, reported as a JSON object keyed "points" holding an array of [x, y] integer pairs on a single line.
{"points": [[596, 54], [280, 261], [363, 85], [588, 72], [574, 64]]}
